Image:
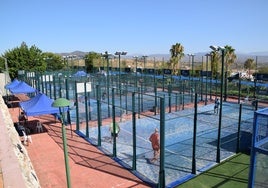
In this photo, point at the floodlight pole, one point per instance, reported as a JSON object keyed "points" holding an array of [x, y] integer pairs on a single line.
{"points": [[192, 66], [189, 66], [144, 61], [220, 117], [119, 57], [120, 92], [222, 49], [202, 79], [255, 78], [154, 71], [143, 80], [192, 79], [136, 79], [191, 56], [108, 82], [225, 85], [207, 55], [106, 55], [155, 89]]}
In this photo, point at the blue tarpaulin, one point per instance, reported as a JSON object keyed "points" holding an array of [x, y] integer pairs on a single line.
{"points": [[38, 105], [12, 84], [22, 87], [80, 73]]}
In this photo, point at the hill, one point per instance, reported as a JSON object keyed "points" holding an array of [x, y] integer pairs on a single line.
{"points": [[261, 57]]}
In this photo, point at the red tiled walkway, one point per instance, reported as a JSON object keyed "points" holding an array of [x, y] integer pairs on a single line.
{"points": [[89, 167]]}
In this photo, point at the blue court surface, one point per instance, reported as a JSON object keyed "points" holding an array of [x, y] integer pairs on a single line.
{"points": [[179, 127]]}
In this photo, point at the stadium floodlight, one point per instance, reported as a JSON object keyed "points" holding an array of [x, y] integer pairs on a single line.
{"points": [[136, 74], [222, 49], [217, 48], [120, 53], [119, 62], [214, 48], [207, 55], [144, 61]]}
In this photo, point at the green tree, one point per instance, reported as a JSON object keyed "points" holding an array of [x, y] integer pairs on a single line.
{"points": [[92, 59], [24, 58], [263, 70], [177, 54], [53, 61], [2, 64], [215, 63], [229, 57], [249, 64]]}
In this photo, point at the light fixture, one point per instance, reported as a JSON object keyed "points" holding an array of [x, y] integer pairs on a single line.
{"points": [[120, 96], [216, 48], [222, 49], [62, 103], [120, 53]]}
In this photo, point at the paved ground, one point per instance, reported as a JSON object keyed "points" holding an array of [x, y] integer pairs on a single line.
{"points": [[89, 167]]}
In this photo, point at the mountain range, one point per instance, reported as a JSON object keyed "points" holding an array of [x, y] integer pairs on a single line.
{"points": [[261, 57]]}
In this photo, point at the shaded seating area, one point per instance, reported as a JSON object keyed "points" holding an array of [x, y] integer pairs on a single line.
{"points": [[38, 105], [31, 127], [17, 87]]}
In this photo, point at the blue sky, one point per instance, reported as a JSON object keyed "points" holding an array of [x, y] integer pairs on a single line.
{"points": [[138, 27]]}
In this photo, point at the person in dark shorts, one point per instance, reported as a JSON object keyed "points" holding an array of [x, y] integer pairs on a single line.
{"points": [[155, 141]]}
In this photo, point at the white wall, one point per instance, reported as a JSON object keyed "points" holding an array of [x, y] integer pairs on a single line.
{"points": [[4, 79]]}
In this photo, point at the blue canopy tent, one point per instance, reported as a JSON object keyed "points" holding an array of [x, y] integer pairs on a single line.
{"points": [[8, 86], [12, 84], [22, 87], [80, 74], [38, 105]]}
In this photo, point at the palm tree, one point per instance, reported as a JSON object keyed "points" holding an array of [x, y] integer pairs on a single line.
{"points": [[230, 57], [215, 59], [249, 64], [177, 54]]}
